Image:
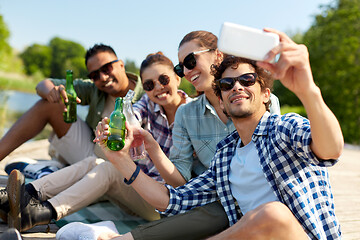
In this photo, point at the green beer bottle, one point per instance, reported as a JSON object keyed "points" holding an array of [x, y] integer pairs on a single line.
{"points": [[70, 114], [116, 140]]}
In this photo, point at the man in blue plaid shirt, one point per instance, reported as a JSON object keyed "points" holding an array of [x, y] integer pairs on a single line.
{"points": [[270, 174]]}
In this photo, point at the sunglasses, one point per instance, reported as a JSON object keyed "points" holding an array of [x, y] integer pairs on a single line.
{"points": [[149, 85], [105, 69], [189, 62], [246, 80]]}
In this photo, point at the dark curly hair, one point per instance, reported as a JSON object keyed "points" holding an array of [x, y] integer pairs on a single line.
{"points": [[264, 77]]}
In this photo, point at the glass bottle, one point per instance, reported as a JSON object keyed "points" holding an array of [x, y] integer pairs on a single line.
{"points": [[70, 114], [137, 149], [116, 140]]}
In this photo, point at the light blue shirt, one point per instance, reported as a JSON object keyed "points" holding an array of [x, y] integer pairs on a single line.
{"points": [[197, 130], [247, 180]]}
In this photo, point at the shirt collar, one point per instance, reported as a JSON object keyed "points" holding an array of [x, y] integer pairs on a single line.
{"points": [[206, 105], [262, 128]]}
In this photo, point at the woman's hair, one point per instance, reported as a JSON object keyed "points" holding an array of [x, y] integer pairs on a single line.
{"points": [[203, 38], [264, 77], [155, 58]]}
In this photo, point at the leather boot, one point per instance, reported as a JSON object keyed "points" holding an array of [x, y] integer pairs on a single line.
{"points": [[26, 211], [4, 205]]}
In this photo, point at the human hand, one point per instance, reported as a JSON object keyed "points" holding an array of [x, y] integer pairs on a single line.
{"points": [[108, 235], [145, 137], [58, 95], [101, 135], [293, 67], [102, 132]]}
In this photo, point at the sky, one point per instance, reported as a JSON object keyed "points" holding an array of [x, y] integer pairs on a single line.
{"points": [[135, 28]]}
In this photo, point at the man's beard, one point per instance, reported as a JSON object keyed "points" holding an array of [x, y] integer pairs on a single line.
{"points": [[237, 115]]}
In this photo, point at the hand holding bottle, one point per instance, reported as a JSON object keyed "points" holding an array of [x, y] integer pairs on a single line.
{"points": [[137, 150]]}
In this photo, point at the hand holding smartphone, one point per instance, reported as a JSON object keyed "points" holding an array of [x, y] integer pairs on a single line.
{"points": [[246, 42]]}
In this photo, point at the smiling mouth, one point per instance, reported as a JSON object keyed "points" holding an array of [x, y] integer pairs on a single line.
{"points": [[195, 77], [162, 95], [238, 99], [109, 83]]}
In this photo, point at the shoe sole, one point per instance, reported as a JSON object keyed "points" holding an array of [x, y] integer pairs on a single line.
{"points": [[15, 182]]}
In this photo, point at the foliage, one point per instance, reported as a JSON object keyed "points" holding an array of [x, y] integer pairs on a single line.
{"points": [[293, 109], [130, 66], [334, 45], [187, 87], [37, 58], [5, 49], [66, 54], [26, 84]]}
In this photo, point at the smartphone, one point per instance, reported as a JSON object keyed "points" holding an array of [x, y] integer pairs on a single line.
{"points": [[246, 42]]}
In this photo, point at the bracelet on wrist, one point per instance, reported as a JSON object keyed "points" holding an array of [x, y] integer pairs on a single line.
{"points": [[133, 176]]}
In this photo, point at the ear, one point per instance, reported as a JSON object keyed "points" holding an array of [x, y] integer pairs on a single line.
{"points": [[178, 80], [221, 104], [121, 63], [266, 95], [219, 56]]}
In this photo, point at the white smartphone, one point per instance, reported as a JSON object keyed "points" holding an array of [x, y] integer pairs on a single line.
{"points": [[246, 42]]}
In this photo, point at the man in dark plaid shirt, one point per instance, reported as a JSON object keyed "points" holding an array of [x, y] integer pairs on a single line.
{"points": [[270, 174]]}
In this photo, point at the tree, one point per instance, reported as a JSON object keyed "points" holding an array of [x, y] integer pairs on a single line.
{"points": [[5, 49], [64, 53], [334, 46], [130, 66], [37, 58]]}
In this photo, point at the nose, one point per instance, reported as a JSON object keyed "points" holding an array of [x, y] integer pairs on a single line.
{"points": [[157, 85], [237, 86], [186, 71], [103, 76]]}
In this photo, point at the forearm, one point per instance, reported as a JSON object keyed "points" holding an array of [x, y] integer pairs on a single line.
{"points": [[150, 190], [327, 138], [166, 168]]}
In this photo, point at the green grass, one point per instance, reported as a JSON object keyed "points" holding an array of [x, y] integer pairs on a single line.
{"points": [[24, 84]]}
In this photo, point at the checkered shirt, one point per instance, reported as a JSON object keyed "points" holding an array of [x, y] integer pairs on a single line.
{"points": [[153, 118], [297, 177]]}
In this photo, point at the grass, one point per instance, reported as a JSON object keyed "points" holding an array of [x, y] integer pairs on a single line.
{"points": [[17, 82]]}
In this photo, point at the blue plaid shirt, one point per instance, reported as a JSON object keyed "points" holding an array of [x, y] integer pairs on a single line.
{"points": [[297, 177], [153, 118]]}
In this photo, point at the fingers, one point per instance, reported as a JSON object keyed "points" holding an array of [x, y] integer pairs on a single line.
{"points": [[62, 93], [102, 132], [283, 37]]}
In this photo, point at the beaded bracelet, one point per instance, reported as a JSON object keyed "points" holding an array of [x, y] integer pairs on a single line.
{"points": [[133, 176]]}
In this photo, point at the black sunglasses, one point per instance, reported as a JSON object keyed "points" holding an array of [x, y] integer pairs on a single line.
{"points": [[246, 80], [189, 62], [106, 69], [149, 85]]}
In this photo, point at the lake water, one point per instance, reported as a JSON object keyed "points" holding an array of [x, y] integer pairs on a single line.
{"points": [[21, 102]]}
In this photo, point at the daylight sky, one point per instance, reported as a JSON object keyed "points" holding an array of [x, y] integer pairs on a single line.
{"points": [[135, 28]]}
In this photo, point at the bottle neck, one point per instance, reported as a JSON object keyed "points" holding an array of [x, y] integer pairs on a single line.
{"points": [[119, 104], [69, 80]]}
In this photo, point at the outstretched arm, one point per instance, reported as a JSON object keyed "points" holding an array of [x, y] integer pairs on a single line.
{"points": [[294, 71], [152, 191]]}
